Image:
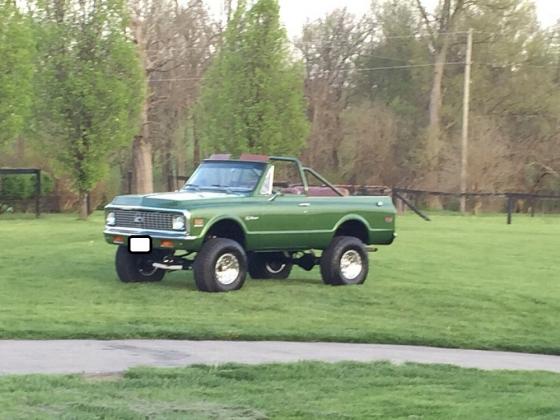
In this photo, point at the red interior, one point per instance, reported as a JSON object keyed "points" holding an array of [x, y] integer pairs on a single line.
{"points": [[314, 191]]}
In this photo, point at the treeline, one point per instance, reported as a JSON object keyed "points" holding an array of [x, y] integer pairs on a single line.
{"points": [[90, 90]]}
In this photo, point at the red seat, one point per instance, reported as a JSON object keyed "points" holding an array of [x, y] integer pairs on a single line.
{"points": [[315, 191]]}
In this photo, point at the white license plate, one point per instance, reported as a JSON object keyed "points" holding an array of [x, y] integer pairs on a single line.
{"points": [[139, 244]]}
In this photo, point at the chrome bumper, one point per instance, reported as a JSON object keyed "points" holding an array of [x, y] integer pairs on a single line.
{"points": [[156, 234]]}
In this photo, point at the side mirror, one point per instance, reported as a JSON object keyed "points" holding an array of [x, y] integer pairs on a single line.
{"points": [[275, 195]]}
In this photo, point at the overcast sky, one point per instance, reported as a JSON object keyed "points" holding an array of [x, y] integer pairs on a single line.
{"points": [[296, 12]]}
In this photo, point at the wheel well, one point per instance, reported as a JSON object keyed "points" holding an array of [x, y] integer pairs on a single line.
{"points": [[353, 228], [229, 229]]}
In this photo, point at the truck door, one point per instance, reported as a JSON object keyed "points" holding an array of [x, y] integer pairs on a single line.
{"points": [[283, 215]]}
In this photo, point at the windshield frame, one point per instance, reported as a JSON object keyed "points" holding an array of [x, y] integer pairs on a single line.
{"points": [[229, 190]]}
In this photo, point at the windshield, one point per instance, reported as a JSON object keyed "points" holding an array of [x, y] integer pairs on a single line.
{"points": [[226, 176]]}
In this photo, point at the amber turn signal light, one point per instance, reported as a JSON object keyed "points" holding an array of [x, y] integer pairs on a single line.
{"points": [[166, 244], [199, 222], [118, 239]]}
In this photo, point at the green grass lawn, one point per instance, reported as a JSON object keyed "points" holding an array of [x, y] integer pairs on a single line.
{"points": [[303, 390], [453, 282]]}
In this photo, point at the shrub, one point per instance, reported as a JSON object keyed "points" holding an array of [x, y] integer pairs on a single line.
{"points": [[21, 187]]}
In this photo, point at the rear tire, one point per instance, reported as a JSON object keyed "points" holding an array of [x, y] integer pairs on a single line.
{"points": [[132, 268], [269, 265], [220, 266], [344, 262]]}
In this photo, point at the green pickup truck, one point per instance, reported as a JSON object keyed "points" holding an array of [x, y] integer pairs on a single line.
{"points": [[256, 214]]}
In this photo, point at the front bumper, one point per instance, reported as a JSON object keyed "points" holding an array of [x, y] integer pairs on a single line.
{"points": [[178, 240]]}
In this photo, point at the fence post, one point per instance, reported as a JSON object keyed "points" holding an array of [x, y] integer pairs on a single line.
{"points": [[88, 203], [509, 208], [38, 193]]}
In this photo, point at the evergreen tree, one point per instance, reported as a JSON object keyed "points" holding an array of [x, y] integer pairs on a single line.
{"points": [[89, 87], [16, 70], [252, 98]]}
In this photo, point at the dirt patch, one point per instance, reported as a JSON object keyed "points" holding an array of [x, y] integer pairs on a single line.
{"points": [[103, 377]]}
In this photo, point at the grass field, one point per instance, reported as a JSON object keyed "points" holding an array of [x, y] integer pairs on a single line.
{"points": [[304, 390], [453, 282]]}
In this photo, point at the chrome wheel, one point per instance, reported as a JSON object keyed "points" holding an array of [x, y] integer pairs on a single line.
{"points": [[351, 264], [227, 269]]}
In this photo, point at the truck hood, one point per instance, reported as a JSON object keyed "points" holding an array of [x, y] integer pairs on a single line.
{"points": [[175, 200]]}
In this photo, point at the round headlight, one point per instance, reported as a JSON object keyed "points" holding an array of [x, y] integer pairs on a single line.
{"points": [[178, 223], [110, 219]]}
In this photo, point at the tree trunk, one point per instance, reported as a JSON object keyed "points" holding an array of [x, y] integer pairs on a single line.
{"points": [[83, 200], [433, 140], [142, 180], [20, 149], [433, 146], [167, 166], [142, 173], [196, 142], [312, 152]]}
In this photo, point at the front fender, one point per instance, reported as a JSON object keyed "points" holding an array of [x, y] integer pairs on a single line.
{"points": [[216, 219], [352, 217]]}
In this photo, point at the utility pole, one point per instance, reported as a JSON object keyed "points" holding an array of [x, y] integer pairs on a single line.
{"points": [[465, 130]]}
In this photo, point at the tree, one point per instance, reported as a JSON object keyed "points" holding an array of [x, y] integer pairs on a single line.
{"points": [[89, 87], [330, 47], [252, 96], [389, 75], [514, 94], [440, 30], [16, 70], [176, 42], [368, 145]]}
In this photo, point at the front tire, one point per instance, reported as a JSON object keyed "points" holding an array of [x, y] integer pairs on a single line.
{"points": [[132, 268], [345, 262], [220, 266], [271, 265]]}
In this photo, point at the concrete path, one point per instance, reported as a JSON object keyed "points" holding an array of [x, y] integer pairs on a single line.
{"points": [[95, 356]]}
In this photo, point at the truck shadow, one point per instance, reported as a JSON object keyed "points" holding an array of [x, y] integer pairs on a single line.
{"points": [[185, 280]]}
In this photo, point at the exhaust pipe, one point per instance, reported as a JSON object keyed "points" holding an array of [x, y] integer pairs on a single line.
{"points": [[169, 267]]}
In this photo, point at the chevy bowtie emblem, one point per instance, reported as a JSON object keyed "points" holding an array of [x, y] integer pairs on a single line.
{"points": [[138, 218]]}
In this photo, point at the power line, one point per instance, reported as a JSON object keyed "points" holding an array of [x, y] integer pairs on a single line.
{"points": [[424, 35], [351, 69], [381, 57], [383, 37], [404, 66], [507, 65]]}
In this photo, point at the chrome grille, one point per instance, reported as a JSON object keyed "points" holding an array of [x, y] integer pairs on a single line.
{"points": [[156, 220]]}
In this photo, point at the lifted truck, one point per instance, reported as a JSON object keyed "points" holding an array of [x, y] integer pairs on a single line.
{"points": [[255, 214]]}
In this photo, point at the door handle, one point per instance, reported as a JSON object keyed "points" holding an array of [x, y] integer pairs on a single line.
{"points": [[304, 204]]}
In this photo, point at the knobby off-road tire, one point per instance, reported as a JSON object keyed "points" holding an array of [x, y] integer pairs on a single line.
{"points": [[269, 265], [345, 262], [133, 268], [220, 266]]}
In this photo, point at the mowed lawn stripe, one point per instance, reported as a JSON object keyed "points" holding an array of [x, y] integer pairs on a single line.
{"points": [[302, 390], [471, 282]]}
